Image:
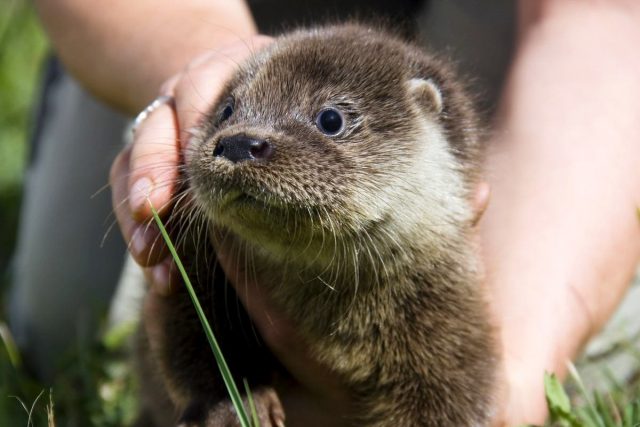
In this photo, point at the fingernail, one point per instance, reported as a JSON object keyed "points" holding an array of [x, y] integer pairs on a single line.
{"points": [[140, 193]]}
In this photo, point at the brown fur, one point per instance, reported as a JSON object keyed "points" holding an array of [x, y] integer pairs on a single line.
{"points": [[364, 237]]}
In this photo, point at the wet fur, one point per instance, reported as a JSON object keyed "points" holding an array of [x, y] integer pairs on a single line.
{"points": [[367, 234]]}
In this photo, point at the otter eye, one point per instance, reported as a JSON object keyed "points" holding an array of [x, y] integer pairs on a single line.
{"points": [[330, 121], [227, 111]]}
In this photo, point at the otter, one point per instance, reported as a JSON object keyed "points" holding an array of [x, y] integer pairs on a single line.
{"points": [[344, 159]]}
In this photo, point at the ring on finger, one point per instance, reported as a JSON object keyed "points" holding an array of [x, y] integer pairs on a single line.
{"points": [[153, 106]]}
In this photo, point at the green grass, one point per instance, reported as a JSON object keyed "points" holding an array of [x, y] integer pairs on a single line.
{"points": [[22, 48], [95, 387], [619, 408], [232, 388]]}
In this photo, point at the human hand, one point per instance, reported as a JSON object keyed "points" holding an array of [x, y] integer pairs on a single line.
{"points": [[147, 170]]}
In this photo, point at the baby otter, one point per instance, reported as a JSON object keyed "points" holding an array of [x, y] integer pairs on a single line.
{"points": [[344, 160]]}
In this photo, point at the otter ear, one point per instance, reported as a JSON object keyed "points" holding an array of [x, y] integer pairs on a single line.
{"points": [[426, 94]]}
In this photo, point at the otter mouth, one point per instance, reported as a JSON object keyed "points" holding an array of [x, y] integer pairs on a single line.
{"points": [[242, 204], [239, 207], [234, 199], [229, 198]]}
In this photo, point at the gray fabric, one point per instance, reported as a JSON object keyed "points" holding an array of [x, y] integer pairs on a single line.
{"points": [[63, 278]]}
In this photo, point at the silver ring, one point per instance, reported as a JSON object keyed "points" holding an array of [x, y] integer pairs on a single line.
{"points": [[144, 114]]}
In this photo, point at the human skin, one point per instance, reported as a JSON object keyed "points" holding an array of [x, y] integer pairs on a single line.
{"points": [[560, 237], [123, 51]]}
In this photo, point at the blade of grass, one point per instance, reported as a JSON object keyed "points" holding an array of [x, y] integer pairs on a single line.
{"points": [[50, 417], [603, 409], [234, 394], [10, 345], [27, 410], [33, 405], [252, 406], [558, 402], [590, 410], [632, 415]]}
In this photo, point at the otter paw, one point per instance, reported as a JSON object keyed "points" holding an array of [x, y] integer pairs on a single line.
{"points": [[269, 412]]}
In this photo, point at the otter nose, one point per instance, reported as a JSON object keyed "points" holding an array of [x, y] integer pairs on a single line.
{"points": [[239, 148]]}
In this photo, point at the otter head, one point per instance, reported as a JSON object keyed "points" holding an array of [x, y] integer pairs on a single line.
{"points": [[332, 139]]}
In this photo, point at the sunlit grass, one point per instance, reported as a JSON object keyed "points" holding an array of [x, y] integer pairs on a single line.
{"points": [[595, 409]]}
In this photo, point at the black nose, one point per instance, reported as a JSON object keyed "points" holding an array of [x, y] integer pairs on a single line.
{"points": [[238, 148]]}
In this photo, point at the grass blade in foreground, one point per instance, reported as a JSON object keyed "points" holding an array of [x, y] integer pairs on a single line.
{"points": [[252, 406], [222, 364]]}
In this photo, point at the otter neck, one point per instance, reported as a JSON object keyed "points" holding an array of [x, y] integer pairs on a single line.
{"points": [[304, 285]]}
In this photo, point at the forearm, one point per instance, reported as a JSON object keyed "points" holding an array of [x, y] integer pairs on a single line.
{"points": [[123, 50], [561, 236]]}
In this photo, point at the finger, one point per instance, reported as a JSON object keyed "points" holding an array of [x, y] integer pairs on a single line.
{"points": [[154, 313], [144, 240], [163, 278], [202, 83], [153, 166]]}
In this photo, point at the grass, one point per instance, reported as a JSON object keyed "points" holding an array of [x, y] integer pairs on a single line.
{"points": [[232, 388], [608, 409], [95, 386], [22, 48]]}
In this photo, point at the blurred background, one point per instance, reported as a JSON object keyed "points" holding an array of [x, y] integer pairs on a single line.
{"points": [[95, 388], [22, 49]]}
